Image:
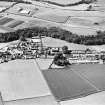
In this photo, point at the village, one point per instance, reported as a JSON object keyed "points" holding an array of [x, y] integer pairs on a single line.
{"points": [[32, 48]]}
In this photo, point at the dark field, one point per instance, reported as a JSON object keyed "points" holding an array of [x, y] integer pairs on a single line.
{"points": [[15, 24], [76, 81], [5, 20]]}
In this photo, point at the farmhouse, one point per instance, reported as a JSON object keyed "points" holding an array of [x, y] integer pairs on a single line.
{"points": [[25, 11]]}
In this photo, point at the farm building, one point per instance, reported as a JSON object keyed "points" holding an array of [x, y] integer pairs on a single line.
{"points": [[25, 11]]}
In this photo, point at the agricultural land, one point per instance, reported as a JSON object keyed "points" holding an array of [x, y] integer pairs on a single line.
{"points": [[77, 24]]}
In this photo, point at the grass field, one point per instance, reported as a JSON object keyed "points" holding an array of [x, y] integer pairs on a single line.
{"points": [[79, 21], [76, 81], [44, 100], [54, 18]]}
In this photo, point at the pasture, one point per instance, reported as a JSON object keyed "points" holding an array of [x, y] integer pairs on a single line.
{"points": [[5, 20], [76, 81]]}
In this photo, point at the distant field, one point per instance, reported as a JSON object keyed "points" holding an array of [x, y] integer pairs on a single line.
{"points": [[5, 20], [76, 81], [79, 21], [15, 24], [80, 30], [5, 29]]}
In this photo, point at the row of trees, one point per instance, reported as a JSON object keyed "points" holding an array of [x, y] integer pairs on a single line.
{"points": [[54, 32], [73, 4], [18, 1]]}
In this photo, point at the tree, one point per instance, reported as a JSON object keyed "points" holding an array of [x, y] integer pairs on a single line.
{"points": [[65, 50], [60, 60]]}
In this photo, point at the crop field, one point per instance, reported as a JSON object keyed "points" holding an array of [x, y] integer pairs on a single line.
{"points": [[2, 30], [15, 84], [79, 21], [5, 20], [80, 30], [54, 18], [76, 81], [15, 24], [8, 24]]}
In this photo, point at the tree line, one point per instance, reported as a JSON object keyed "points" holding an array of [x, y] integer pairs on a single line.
{"points": [[18, 1], [72, 4], [54, 32]]}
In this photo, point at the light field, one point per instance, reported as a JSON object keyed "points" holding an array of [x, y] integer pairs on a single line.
{"points": [[54, 18], [79, 21], [9, 24], [21, 79]]}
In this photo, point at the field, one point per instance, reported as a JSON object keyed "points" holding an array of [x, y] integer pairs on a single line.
{"points": [[13, 25], [76, 81], [9, 24], [5, 20], [2, 30], [15, 84], [40, 14], [54, 18]]}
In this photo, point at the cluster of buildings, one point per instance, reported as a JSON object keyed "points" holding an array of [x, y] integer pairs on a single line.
{"points": [[33, 48]]}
